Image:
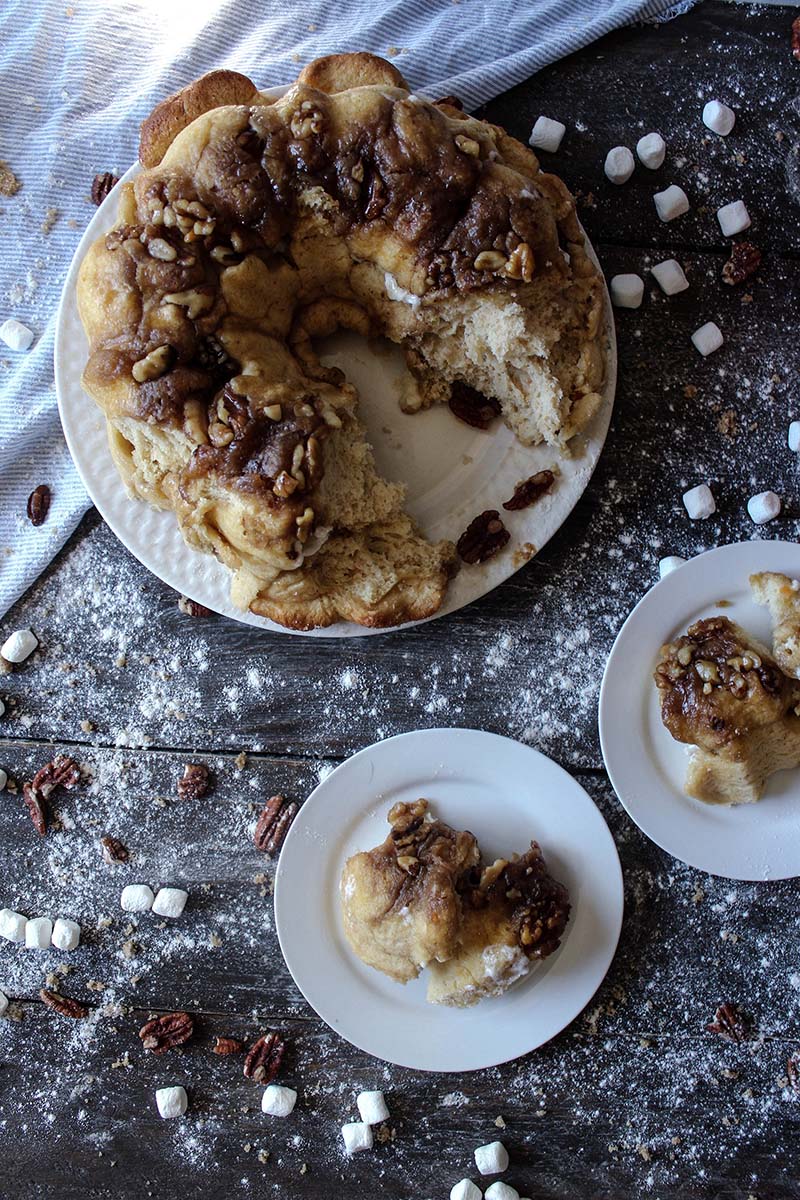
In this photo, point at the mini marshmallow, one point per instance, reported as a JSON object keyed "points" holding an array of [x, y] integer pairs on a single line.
{"points": [[12, 925], [492, 1158], [171, 1101], [652, 150], [547, 134], [16, 335], [718, 117], [669, 564], [3, 779], [626, 291], [66, 934], [671, 203], [4, 1006], [501, 1191], [707, 338], [136, 897], [670, 277], [733, 218], [465, 1189], [699, 502], [38, 933], [357, 1136], [794, 436], [764, 507], [170, 902], [372, 1107], [619, 165], [19, 645], [278, 1101]]}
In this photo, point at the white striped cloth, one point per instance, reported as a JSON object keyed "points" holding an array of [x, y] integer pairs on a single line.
{"points": [[77, 82]]}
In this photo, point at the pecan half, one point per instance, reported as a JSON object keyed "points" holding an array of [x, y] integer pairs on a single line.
{"points": [[273, 824], [39, 504], [61, 772], [191, 608], [113, 850], [483, 537], [529, 491], [471, 406], [227, 1045], [731, 1023], [63, 1005], [264, 1058], [164, 1033], [102, 185], [796, 38], [195, 782], [744, 261]]}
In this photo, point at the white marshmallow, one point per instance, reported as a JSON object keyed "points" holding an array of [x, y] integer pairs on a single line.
{"points": [[372, 1107], [465, 1189], [38, 933], [619, 165], [19, 645], [4, 1006], [66, 934], [718, 117], [136, 897], [669, 564], [794, 436], [707, 338], [626, 291], [170, 902], [699, 502], [357, 1136], [492, 1158], [171, 1101], [16, 335], [652, 150], [501, 1191], [670, 277], [547, 134], [278, 1101], [764, 507], [12, 925], [671, 203], [3, 779], [733, 218]]}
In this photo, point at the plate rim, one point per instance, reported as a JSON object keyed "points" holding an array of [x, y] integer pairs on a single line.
{"points": [[613, 769], [616, 884]]}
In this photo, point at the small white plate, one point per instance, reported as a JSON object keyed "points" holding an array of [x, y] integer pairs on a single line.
{"points": [[452, 472], [506, 794], [647, 766]]}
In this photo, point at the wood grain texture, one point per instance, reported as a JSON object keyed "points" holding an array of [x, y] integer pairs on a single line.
{"points": [[635, 1098]]}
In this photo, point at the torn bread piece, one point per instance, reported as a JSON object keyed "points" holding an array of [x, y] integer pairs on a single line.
{"points": [[781, 595]]}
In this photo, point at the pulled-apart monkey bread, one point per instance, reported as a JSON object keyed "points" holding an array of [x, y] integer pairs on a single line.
{"points": [[420, 899]]}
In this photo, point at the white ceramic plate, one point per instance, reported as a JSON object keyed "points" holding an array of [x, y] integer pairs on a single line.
{"points": [[506, 794], [647, 766], [453, 472]]}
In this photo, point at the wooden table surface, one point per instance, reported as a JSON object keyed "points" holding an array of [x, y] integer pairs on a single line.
{"points": [[635, 1098]]}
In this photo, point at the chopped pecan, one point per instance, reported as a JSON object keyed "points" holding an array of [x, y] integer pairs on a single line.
{"points": [[453, 101], [731, 1023], [195, 781], [483, 537], [472, 407], [264, 1058], [191, 608], [376, 197], [61, 772], [113, 850], [227, 1045], [796, 38], [529, 491], [273, 824], [793, 1071], [39, 504], [63, 1005], [163, 1033], [102, 185], [744, 261]]}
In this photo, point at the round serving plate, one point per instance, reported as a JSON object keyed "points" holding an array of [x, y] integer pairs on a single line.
{"points": [[452, 472], [506, 794], [647, 766]]}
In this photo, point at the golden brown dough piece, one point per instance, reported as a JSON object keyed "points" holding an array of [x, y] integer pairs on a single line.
{"points": [[723, 693], [781, 595]]}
